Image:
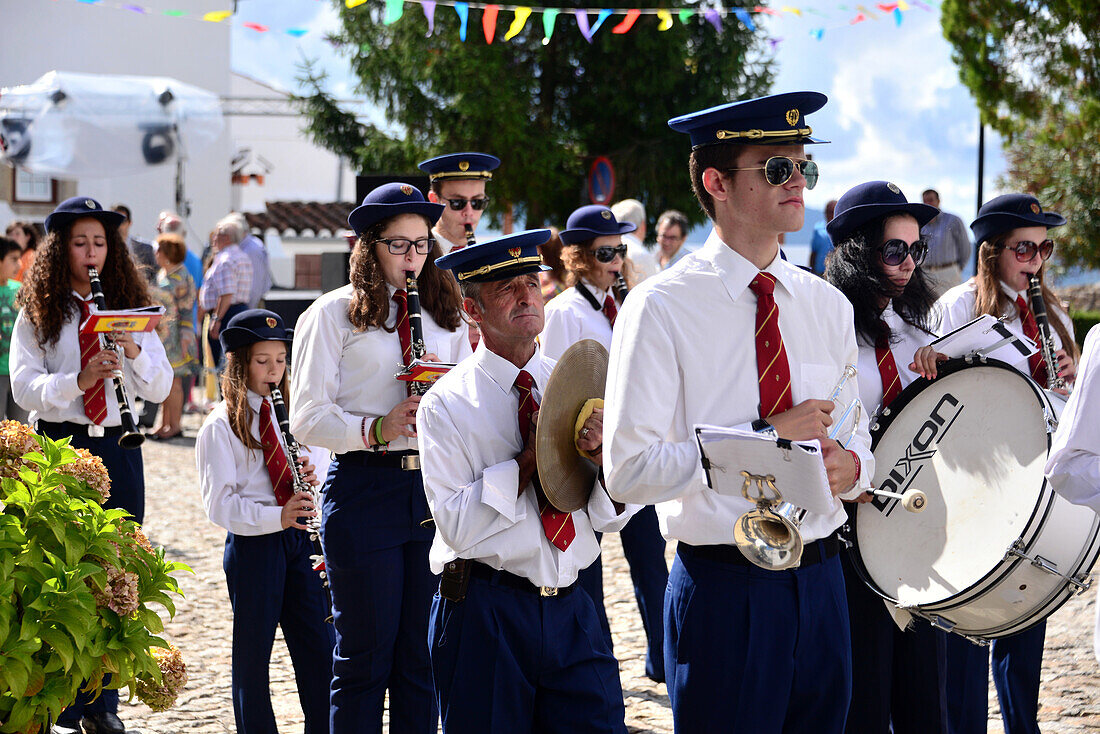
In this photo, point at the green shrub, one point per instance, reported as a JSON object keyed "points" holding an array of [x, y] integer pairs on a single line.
{"points": [[1082, 322], [76, 586]]}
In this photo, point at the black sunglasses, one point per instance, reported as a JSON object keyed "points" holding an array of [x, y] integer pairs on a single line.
{"points": [[894, 252], [1026, 250], [779, 168], [400, 245], [460, 204], [606, 253]]}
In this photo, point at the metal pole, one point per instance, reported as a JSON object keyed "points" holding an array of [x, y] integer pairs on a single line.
{"points": [[981, 180]]}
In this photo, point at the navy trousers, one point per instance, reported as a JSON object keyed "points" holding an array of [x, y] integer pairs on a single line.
{"points": [[508, 661], [897, 677], [591, 581], [126, 470], [1017, 665], [376, 553], [271, 582], [644, 548], [757, 652]]}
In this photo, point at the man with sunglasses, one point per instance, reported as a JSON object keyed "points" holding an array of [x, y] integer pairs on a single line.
{"points": [[948, 246], [735, 336], [458, 182]]}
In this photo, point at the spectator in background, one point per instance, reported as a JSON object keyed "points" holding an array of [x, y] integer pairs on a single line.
{"points": [[253, 246], [948, 246], [552, 280], [176, 291], [672, 229], [25, 235], [821, 244], [643, 259], [228, 283], [141, 250], [9, 287], [170, 223]]}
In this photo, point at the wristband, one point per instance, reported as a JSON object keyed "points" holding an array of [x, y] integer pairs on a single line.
{"points": [[378, 433], [859, 466], [363, 432]]}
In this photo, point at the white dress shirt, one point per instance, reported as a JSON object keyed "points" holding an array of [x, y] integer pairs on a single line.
{"points": [[1073, 465], [236, 487], [641, 257], [469, 433], [444, 243], [570, 317], [957, 309], [342, 375], [43, 379], [683, 353], [906, 340]]}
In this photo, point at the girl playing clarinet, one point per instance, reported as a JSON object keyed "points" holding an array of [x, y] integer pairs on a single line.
{"points": [[248, 489], [346, 399], [65, 378]]}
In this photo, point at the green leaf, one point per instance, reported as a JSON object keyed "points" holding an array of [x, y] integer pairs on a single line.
{"points": [[60, 644]]}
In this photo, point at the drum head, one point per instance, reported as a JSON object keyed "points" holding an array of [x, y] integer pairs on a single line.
{"points": [[974, 441]]}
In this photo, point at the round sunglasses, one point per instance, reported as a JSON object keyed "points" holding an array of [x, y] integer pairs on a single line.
{"points": [[607, 253], [460, 204], [1025, 250], [894, 252], [779, 168], [400, 245]]}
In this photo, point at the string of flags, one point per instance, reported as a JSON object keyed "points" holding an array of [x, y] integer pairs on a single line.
{"points": [[589, 20]]}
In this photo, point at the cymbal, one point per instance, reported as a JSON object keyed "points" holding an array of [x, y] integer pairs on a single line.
{"points": [[567, 478]]}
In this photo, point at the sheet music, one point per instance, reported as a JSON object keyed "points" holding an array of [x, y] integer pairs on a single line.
{"points": [[798, 467], [989, 336]]}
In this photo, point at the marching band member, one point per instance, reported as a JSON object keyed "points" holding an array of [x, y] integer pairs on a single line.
{"points": [[61, 376], [1012, 230], [458, 182], [736, 336], [513, 649], [248, 488], [1073, 466], [345, 398], [897, 676], [593, 254]]}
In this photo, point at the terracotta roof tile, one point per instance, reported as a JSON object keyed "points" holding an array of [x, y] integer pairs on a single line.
{"points": [[302, 215]]}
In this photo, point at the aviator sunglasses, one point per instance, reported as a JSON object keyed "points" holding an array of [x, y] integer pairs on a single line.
{"points": [[779, 168], [400, 245], [460, 204], [606, 253], [1025, 250], [894, 252]]}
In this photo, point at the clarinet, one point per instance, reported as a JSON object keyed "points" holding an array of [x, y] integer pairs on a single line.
{"points": [[1046, 334], [620, 287], [470, 235], [293, 449], [416, 328], [131, 437]]}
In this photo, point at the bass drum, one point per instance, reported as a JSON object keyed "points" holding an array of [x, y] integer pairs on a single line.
{"points": [[996, 550]]}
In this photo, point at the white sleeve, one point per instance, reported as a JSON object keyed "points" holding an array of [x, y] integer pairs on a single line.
{"points": [[32, 385], [560, 332], [1073, 465], [861, 439], [601, 511], [151, 371], [955, 310], [218, 465]]}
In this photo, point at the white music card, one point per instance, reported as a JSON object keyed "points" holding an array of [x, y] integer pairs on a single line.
{"points": [[987, 336], [797, 469]]}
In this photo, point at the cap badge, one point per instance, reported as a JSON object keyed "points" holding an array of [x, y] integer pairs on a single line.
{"points": [[515, 252], [464, 166], [605, 214], [1035, 208], [893, 187], [792, 117], [271, 323], [89, 203], [407, 190]]}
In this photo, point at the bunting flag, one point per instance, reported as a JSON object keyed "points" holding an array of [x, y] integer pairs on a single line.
{"points": [[216, 16], [519, 22], [548, 19], [745, 18], [394, 10], [713, 18], [488, 23], [626, 23], [666, 20], [463, 11], [429, 14]]}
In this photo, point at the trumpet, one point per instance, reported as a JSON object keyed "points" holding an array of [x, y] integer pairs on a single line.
{"points": [[131, 437]]}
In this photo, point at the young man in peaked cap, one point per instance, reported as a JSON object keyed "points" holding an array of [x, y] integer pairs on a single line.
{"points": [[735, 336], [458, 181]]}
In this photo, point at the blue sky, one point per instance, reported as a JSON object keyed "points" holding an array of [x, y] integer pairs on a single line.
{"points": [[896, 111]]}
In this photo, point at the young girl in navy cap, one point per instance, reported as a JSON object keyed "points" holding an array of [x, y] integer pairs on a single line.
{"points": [[248, 489], [64, 380]]}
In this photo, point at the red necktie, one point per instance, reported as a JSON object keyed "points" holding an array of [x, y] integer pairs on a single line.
{"points": [[1031, 331], [887, 370], [771, 356], [404, 330], [609, 309], [557, 525], [95, 397], [278, 468]]}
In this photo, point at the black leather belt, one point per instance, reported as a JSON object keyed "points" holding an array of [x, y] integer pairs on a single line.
{"points": [[408, 460], [504, 578], [68, 428], [812, 553]]}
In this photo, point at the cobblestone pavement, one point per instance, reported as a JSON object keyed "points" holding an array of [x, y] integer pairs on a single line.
{"points": [[202, 628]]}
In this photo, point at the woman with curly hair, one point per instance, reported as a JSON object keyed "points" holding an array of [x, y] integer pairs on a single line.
{"points": [[64, 378], [897, 676], [348, 346]]}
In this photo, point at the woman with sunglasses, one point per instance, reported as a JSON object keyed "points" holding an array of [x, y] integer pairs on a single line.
{"points": [[897, 676], [348, 346], [593, 253], [1012, 232]]}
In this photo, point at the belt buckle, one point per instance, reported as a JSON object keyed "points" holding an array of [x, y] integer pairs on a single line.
{"points": [[548, 591], [96, 431], [410, 462]]}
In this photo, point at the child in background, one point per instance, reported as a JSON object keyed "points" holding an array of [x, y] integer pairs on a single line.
{"points": [[9, 287]]}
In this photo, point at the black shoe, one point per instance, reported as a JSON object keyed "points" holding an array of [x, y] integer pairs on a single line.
{"points": [[103, 723]]}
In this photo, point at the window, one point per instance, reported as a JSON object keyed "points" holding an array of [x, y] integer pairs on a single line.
{"points": [[32, 187]]}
